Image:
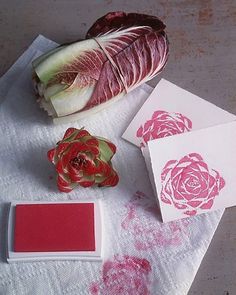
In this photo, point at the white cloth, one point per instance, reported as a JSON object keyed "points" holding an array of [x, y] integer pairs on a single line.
{"points": [[141, 254]]}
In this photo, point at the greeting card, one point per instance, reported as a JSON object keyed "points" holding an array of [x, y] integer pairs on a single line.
{"points": [[194, 172], [171, 110]]}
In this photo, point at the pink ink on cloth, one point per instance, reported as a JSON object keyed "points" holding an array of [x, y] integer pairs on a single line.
{"points": [[142, 221], [123, 275], [189, 184], [163, 124]]}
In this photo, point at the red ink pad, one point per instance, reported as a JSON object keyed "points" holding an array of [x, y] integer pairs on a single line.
{"points": [[63, 230]]}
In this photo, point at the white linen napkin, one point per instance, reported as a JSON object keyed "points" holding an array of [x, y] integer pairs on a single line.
{"points": [[141, 254]]}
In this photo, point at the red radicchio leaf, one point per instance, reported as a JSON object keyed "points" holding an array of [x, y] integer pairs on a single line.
{"points": [[111, 180], [119, 19], [82, 133], [86, 183], [51, 155], [69, 132], [140, 53], [62, 185], [92, 141], [62, 181]]}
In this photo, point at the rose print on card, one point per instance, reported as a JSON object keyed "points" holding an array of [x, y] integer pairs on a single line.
{"points": [[163, 124], [123, 275], [141, 221], [189, 184]]}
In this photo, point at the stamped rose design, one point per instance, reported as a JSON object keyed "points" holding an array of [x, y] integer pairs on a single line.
{"points": [[147, 232], [163, 124], [189, 184], [123, 275]]}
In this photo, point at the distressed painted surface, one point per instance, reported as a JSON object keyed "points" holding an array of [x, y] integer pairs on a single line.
{"points": [[202, 38]]}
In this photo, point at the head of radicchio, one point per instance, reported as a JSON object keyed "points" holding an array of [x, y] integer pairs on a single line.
{"points": [[121, 51]]}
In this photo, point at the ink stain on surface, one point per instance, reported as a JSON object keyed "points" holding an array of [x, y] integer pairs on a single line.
{"points": [[123, 275], [147, 231]]}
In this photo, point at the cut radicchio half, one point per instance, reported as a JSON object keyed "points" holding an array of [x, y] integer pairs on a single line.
{"points": [[121, 51]]}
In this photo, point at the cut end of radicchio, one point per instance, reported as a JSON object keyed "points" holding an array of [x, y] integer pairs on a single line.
{"points": [[119, 19]]}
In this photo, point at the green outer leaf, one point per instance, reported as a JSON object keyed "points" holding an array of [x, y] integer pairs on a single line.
{"points": [[84, 138], [42, 57], [84, 114], [99, 179], [47, 68], [103, 139], [72, 136], [87, 177], [71, 99], [105, 152], [53, 90]]}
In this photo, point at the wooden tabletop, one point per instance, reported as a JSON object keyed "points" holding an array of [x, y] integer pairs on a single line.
{"points": [[202, 35]]}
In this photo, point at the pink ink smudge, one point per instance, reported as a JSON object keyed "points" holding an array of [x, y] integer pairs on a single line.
{"points": [[189, 184], [123, 275], [163, 124], [141, 220]]}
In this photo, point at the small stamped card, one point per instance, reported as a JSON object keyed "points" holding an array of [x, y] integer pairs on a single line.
{"points": [[194, 172], [171, 110]]}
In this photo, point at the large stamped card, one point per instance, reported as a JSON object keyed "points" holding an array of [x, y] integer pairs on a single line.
{"points": [[171, 110], [194, 172]]}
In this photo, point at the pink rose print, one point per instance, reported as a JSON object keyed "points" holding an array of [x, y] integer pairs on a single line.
{"points": [[123, 275], [189, 184], [163, 124], [148, 233]]}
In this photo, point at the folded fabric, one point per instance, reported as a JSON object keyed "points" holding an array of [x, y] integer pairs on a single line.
{"points": [[142, 255]]}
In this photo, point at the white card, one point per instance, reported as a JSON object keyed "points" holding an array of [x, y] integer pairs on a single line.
{"points": [[195, 172], [171, 110]]}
